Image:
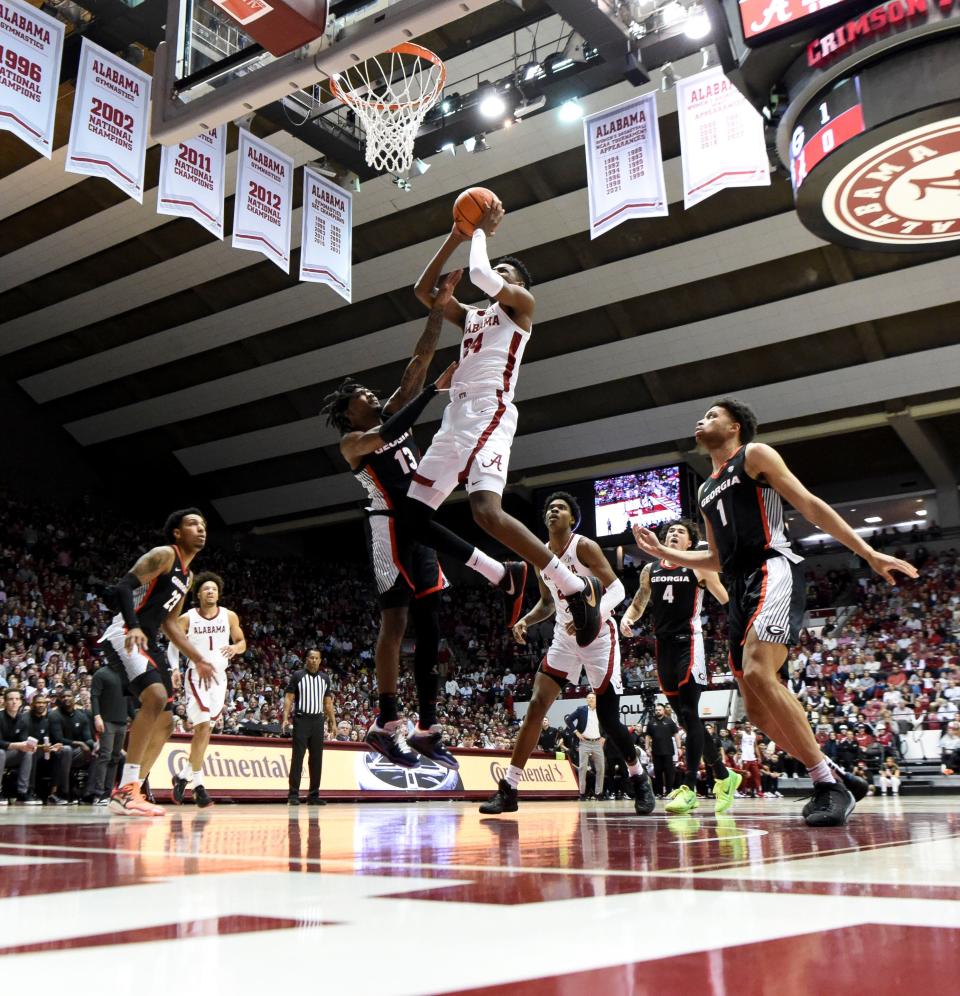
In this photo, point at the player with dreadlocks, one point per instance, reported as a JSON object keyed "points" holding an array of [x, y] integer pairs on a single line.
{"points": [[474, 442], [377, 443]]}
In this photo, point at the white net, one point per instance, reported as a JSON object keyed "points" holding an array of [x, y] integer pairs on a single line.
{"points": [[391, 95]]}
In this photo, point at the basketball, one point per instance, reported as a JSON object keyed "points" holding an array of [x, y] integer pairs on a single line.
{"points": [[469, 207]]}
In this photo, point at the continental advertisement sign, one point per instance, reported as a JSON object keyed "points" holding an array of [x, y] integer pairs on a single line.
{"points": [[261, 768]]}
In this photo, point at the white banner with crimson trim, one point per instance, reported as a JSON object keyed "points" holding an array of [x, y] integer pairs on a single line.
{"points": [[191, 179], [326, 247], [31, 44], [263, 202], [111, 109]]}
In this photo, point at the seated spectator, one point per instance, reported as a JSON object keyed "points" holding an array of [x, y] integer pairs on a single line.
{"points": [[18, 750], [51, 765], [888, 780], [73, 727], [950, 749]]}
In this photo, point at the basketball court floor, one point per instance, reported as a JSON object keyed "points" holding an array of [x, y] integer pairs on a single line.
{"points": [[433, 898]]}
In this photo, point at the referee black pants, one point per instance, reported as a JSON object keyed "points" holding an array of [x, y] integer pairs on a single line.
{"points": [[307, 735]]}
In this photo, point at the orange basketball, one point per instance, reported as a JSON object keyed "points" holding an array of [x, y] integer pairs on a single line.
{"points": [[469, 207]]}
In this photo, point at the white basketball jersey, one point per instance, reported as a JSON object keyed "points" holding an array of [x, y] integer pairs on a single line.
{"points": [[570, 559], [490, 353], [748, 746], [210, 636]]}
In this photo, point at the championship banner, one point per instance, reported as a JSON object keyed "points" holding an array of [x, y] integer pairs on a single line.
{"points": [[721, 137], [111, 109], [326, 246], [261, 211], [624, 164], [31, 44], [191, 179], [261, 768]]}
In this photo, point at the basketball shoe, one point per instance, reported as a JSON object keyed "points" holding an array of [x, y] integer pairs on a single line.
{"points": [[681, 801], [585, 608], [644, 801], [831, 805], [504, 800], [429, 744], [128, 800], [725, 791], [512, 585], [390, 740]]}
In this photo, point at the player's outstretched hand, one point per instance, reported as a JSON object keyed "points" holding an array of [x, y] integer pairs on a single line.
{"points": [[443, 382], [206, 672], [885, 566], [491, 218], [520, 632], [447, 286], [625, 628], [647, 540]]}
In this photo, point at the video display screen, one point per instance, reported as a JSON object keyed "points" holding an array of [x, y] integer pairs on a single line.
{"points": [[647, 497]]}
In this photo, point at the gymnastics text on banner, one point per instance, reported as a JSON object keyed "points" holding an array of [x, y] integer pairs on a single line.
{"points": [[326, 249], [108, 132], [31, 44], [624, 164], [721, 137], [191, 179], [264, 198]]}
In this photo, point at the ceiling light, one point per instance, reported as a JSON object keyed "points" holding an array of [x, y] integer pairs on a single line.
{"points": [[492, 105], [570, 110], [872, 519], [673, 13], [921, 511], [508, 122], [470, 144], [556, 63], [530, 71], [420, 166], [530, 106], [697, 24], [450, 103], [919, 501], [450, 147], [668, 78]]}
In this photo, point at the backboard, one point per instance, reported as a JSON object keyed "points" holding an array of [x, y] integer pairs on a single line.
{"points": [[208, 71]]}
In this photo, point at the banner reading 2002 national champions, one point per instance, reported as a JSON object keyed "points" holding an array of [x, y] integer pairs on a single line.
{"points": [[624, 164], [108, 132], [30, 47]]}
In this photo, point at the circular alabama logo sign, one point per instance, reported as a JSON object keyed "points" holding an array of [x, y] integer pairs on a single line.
{"points": [[904, 191]]}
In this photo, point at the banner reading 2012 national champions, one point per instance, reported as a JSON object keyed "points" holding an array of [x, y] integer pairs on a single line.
{"points": [[31, 44]]}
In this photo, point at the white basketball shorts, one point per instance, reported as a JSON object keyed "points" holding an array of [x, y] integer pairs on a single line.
{"points": [[472, 447], [565, 660], [204, 705]]}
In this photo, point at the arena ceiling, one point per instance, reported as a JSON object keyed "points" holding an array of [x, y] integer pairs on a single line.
{"points": [[153, 344]]}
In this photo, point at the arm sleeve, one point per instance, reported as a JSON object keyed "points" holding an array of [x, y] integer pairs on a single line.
{"points": [[612, 597], [123, 599], [398, 423], [482, 274]]}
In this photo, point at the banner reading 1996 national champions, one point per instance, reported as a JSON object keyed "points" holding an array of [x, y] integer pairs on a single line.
{"points": [[624, 164], [30, 47]]}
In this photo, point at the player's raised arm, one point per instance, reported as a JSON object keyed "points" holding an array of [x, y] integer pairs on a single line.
{"points": [[713, 584], [639, 604], [762, 461], [412, 381], [497, 283], [699, 560], [427, 286]]}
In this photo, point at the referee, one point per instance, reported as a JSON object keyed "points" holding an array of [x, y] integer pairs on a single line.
{"points": [[309, 698]]}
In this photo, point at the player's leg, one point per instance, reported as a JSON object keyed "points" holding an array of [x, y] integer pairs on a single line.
{"points": [[602, 664], [159, 735], [127, 799], [546, 688], [427, 737]]}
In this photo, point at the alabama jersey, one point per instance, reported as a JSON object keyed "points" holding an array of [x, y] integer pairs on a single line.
{"points": [[209, 636], [490, 353]]}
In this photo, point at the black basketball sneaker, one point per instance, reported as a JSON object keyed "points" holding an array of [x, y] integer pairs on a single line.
{"points": [[504, 800], [585, 609], [512, 585]]}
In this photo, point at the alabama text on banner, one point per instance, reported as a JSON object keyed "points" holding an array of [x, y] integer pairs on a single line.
{"points": [[241, 765], [30, 47], [326, 248], [191, 179], [721, 137], [263, 202], [108, 133], [624, 164]]}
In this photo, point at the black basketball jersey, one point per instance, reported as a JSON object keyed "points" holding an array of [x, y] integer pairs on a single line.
{"points": [[154, 601], [386, 473], [746, 517], [676, 600]]}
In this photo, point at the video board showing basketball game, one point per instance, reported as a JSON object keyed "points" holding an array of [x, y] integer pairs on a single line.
{"points": [[647, 497]]}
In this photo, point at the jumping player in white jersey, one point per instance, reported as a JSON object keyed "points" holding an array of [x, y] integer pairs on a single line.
{"points": [[742, 505], [566, 659], [675, 596], [473, 444], [215, 631], [149, 598]]}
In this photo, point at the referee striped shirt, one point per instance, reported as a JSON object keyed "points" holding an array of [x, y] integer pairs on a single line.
{"points": [[309, 691]]}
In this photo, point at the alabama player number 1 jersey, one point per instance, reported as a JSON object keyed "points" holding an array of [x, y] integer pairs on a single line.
{"points": [[210, 636]]}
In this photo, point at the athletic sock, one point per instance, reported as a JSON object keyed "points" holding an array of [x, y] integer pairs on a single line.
{"points": [[634, 769], [197, 778], [513, 775], [186, 772], [131, 773], [561, 575], [821, 772], [484, 564], [388, 709]]}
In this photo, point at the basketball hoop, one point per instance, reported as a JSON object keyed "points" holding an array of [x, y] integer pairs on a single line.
{"points": [[391, 101]]}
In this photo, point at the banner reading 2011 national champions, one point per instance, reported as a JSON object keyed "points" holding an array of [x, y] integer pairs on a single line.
{"points": [[30, 47], [624, 164], [191, 179], [108, 132]]}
